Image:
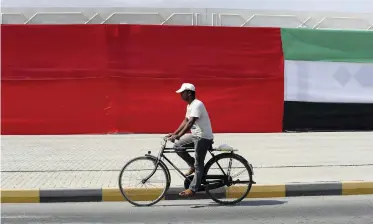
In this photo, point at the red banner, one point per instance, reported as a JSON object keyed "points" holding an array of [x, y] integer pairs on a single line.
{"points": [[73, 79]]}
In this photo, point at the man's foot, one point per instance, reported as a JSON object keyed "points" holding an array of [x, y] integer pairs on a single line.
{"points": [[190, 171], [187, 193]]}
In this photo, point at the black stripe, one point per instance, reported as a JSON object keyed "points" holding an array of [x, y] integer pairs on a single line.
{"points": [[308, 116], [71, 195], [294, 190]]}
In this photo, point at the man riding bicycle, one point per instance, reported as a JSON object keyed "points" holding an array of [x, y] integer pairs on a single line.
{"points": [[198, 122]]}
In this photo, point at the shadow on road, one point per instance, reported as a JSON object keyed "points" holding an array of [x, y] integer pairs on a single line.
{"points": [[242, 203], [261, 203]]}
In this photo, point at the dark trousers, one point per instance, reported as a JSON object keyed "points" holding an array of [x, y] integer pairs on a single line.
{"points": [[201, 146]]}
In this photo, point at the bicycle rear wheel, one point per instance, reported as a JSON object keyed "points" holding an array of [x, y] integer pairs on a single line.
{"points": [[236, 189], [140, 168]]}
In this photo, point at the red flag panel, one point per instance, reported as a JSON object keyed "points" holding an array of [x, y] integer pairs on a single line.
{"points": [[70, 79]]}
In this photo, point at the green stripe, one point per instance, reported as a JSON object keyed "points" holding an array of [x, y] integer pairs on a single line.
{"points": [[327, 45]]}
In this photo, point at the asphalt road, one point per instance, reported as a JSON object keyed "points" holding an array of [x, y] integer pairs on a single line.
{"points": [[328, 210]]}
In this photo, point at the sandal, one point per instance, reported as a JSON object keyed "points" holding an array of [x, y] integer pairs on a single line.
{"points": [[187, 193]]}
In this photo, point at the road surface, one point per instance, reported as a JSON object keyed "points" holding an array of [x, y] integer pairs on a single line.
{"points": [[328, 210]]}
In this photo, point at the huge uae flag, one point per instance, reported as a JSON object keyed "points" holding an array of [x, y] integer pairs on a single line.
{"points": [[328, 80], [79, 79]]}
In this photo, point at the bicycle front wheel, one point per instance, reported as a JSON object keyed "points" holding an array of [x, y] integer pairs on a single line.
{"points": [[134, 190]]}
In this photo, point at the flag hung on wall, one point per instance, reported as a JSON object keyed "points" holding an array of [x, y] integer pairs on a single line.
{"points": [[328, 80], [122, 78]]}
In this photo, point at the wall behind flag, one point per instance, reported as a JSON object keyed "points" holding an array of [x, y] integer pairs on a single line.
{"points": [[360, 6], [79, 79]]}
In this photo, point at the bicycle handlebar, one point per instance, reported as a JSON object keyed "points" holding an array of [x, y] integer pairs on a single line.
{"points": [[164, 141]]}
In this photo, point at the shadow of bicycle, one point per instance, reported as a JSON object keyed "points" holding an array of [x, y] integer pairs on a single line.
{"points": [[254, 203]]}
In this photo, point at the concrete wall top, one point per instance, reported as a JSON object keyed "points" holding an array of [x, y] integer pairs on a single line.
{"points": [[194, 17], [350, 6], [313, 14]]}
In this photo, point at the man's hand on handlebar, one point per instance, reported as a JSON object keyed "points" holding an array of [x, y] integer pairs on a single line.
{"points": [[172, 137]]}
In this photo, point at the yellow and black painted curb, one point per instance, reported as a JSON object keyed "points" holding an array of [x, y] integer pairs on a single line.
{"points": [[113, 194]]}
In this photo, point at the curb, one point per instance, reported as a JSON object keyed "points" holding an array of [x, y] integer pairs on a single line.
{"points": [[113, 194]]}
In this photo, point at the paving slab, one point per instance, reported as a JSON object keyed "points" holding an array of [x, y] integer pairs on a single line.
{"points": [[87, 161]]}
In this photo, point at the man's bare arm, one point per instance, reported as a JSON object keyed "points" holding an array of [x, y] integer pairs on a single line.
{"points": [[185, 121], [187, 126]]}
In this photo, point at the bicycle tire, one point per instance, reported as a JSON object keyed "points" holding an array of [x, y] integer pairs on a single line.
{"points": [[163, 168], [224, 156]]}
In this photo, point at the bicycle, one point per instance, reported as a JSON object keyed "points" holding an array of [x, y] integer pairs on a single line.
{"points": [[209, 182]]}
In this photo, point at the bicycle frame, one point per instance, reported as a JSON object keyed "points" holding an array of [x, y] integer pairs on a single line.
{"points": [[164, 150]]}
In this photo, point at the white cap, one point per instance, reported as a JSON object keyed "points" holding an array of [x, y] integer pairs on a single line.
{"points": [[186, 86]]}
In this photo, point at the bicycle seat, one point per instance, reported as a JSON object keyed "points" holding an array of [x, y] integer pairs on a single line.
{"points": [[225, 147]]}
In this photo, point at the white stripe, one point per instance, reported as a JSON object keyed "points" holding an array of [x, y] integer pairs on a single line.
{"points": [[316, 81]]}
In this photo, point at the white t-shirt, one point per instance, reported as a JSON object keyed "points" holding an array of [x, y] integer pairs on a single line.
{"points": [[202, 126]]}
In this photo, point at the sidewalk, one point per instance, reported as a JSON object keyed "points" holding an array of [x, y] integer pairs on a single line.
{"points": [[94, 161]]}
